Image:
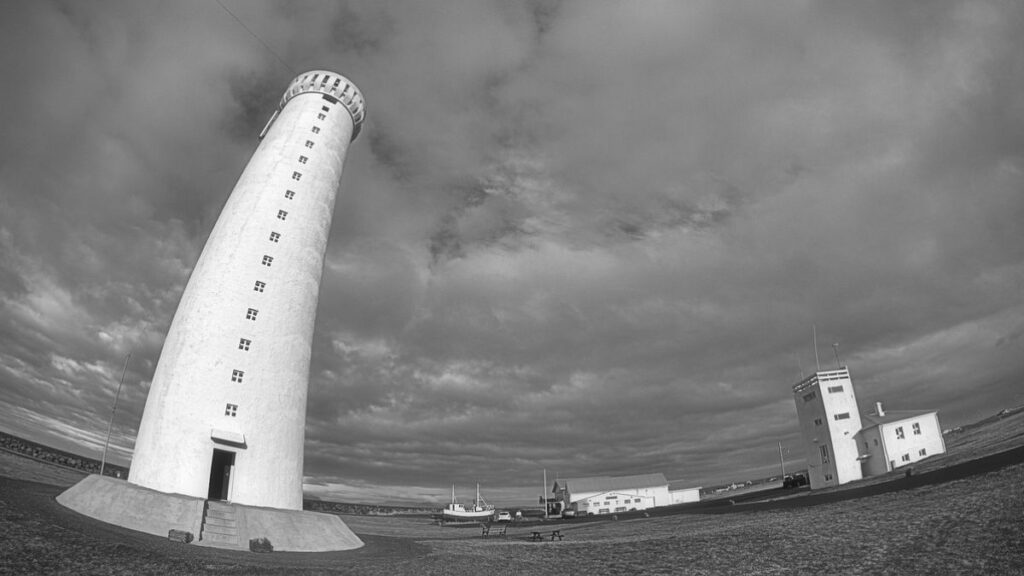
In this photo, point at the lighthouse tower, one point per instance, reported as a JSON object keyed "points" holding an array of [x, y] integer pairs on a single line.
{"points": [[225, 415]]}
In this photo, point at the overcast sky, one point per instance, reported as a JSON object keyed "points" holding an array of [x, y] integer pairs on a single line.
{"points": [[588, 237]]}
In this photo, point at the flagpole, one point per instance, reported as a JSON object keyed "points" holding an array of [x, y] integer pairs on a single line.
{"points": [[110, 425]]}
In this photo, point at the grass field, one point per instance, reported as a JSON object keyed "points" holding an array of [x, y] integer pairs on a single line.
{"points": [[971, 525]]}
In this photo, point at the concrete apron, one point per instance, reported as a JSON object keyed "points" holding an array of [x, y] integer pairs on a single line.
{"points": [[218, 525]]}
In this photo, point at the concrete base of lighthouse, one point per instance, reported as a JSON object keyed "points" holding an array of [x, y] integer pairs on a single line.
{"points": [[214, 524]]}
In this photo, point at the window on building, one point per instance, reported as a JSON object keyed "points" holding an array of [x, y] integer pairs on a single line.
{"points": [[328, 108], [230, 410], [866, 446], [303, 159], [842, 416], [809, 397], [236, 375], [289, 194], [828, 477], [818, 422], [899, 433], [321, 116], [824, 453], [906, 457], [251, 314], [892, 464], [275, 236], [282, 214], [922, 452], [243, 343], [833, 389], [309, 143], [316, 129], [268, 260], [917, 428], [876, 441], [296, 176], [259, 286]]}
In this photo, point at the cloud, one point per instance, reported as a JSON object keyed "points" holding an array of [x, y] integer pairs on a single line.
{"points": [[572, 235]]}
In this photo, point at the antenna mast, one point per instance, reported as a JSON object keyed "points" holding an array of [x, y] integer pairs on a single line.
{"points": [[814, 332]]}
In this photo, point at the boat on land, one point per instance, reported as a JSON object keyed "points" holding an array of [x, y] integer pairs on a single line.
{"points": [[455, 512]]}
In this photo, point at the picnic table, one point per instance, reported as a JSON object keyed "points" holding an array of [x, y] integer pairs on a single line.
{"points": [[536, 535]]}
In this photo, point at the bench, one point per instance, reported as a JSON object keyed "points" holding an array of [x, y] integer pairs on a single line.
{"points": [[555, 533], [485, 530], [536, 536]]}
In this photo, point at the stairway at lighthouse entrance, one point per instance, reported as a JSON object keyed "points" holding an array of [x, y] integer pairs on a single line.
{"points": [[219, 524]]}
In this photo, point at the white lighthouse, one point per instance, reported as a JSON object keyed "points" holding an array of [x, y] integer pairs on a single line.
{"points": [[219, 453], [225, 415]]}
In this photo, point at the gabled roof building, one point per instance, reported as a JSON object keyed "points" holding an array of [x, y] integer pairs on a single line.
{"points": [[612, 494]]}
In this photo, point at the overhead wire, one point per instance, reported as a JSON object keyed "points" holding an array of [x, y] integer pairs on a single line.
{"points": [[256, 36]]}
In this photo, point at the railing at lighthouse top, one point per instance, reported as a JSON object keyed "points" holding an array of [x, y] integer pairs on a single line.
{"points": [[335, 88]]}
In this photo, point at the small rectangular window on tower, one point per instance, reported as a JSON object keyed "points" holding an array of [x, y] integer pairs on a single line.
{"points": [[316, 129], [899, 433], [917, 428], [328, 108], [809, 397], [268, 260], [321, 116], [303, 159], [243, 344], [824, 453], [259, 286], [230, 410], [842, 416], [275, 236], [309, 143], [834, 389], [922, 452], [296, 175], [236, 376], [289, 194], [818, 422], [251, 314], [906, 457], [282, 214]]}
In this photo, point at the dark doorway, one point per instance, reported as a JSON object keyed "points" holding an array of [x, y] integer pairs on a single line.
{"points": [[220, 474]]}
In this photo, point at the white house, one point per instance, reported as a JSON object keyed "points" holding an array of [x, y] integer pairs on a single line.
{"points": [[897, 438], [611, 494]]}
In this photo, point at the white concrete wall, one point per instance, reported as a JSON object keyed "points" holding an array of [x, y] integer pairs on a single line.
{"points": [[878, 462], [685, 496], [838, 435], [193, 379]]}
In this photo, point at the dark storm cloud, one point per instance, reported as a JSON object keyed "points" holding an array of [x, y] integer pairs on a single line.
{"points": [[590, 237]]}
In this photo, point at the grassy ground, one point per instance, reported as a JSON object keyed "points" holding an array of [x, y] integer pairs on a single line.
{"points": [[968, 525]]}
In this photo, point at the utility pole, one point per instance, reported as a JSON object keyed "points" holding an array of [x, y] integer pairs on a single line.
{"points": [[110, 425], [782, 462], [544, 494]]}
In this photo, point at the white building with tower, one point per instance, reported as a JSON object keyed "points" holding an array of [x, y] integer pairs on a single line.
{"points": [[842, 446], [225, 416], [829, 421]]}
